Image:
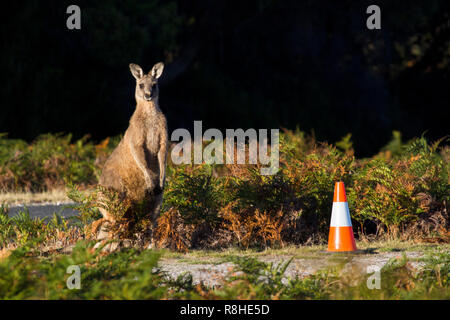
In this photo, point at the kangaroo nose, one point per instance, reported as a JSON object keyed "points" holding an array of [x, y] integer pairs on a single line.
{"points": [[148, 96]]}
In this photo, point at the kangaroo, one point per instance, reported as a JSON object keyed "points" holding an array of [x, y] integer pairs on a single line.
{"points": [[137, 167]]}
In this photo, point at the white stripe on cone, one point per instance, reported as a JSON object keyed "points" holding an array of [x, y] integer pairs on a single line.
{"points": [[340, 215]]}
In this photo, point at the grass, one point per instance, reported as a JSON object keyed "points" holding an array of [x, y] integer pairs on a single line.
{"points": [[132, 274], [298, 252], [395, 245], [50, 196], [28, 272]]}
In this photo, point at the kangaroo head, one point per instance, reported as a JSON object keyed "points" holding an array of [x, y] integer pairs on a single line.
{"points": [[147, 84]]}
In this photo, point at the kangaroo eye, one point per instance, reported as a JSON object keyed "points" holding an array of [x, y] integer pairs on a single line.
{"points": [[141, 85]]}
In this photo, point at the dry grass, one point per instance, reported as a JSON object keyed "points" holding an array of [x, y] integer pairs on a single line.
{"points": [[55, 195], [303, 252]]}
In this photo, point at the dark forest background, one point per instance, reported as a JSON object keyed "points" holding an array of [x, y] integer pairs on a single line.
{"points": [[233, 64]]}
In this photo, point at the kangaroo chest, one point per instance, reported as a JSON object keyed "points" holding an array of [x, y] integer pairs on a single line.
{"points": [[152, 139], [147, 124], [152, 133]]}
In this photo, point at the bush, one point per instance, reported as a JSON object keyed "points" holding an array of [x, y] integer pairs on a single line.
{"points": [[49, 162], [403, 191], [392, 192]]}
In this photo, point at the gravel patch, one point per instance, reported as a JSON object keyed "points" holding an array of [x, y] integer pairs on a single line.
{"points": [[212, 273]]}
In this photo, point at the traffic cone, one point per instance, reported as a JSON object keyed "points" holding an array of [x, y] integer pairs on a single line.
{"points": [[341, 231]]}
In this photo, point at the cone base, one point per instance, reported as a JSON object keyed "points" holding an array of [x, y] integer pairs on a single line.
{"points": [[341, 239]]}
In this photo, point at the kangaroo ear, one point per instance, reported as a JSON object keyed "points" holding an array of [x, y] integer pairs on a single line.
{"points": [[157, 70], [136, 71]]}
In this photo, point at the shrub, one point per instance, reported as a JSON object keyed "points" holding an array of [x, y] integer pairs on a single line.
{"points": [[392, 192], [196, 194], [49, 162], [403, 191]]}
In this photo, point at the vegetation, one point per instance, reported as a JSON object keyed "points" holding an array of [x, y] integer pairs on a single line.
{"points": [[256, 65], [50, 162], [402, 192], [132, 274]]}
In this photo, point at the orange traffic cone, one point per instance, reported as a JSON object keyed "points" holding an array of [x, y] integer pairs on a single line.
{"points": [[341, 231]]}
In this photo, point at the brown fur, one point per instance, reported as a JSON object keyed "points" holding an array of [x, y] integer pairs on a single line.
{"points": [[136, 168]]}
